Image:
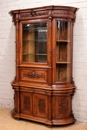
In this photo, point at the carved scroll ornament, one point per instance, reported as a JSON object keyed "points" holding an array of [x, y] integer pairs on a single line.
{"points": [[33, 74], [33, 14], [63, 107]]}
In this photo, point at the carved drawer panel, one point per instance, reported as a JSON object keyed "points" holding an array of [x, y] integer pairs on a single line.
{"points": [[61, 107], [26, 103], [34, 75], [40, 105]]}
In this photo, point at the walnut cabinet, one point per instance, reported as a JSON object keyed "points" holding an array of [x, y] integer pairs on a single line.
{"points": [[43, 85]]}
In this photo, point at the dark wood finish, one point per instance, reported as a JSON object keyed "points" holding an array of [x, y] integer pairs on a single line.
{"points": [[43, 84]]}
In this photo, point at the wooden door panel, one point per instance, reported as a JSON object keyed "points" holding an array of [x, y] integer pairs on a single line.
{"points": [[26, 102], [61, 107], [16, 101], [40, 105]]}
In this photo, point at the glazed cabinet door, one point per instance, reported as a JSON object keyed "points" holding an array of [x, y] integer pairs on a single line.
{"points": [[41, 105], [63, 52], [35, 43], [26, 103]]}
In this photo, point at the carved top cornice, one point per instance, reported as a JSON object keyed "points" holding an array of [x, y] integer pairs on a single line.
{"points": [[44, 12]]}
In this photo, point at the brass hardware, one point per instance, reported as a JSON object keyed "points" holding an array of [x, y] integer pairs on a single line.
{"points": [[31, 90]]}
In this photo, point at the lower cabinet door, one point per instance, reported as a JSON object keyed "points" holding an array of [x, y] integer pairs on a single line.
{"points": [[61, 107], [40, 105], [16, 101], [26, 103]]}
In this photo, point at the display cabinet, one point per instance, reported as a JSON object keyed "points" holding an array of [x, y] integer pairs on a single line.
{"points": [[43, 85]]}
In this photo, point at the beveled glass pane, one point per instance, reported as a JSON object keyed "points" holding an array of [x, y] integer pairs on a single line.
{"points": [[63, 51], [34, 43]]}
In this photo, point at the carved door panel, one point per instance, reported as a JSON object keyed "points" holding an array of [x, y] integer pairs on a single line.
{"points": [[26, 103], [61, 107], [40, 105], [16, 101]]}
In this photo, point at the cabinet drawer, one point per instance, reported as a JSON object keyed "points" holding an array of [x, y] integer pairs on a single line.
{"points": [[34, 75]]}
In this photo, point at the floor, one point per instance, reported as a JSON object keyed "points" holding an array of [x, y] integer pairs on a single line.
{"points": [[8, 123]]}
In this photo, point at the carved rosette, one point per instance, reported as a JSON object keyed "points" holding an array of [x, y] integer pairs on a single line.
{"points": [[33, 74]]}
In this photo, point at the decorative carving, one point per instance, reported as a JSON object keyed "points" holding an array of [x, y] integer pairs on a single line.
{"points": [[33, 13], [15, 101], [26, 103], [63, 12], [42, 105], [63, 106], [33, 74]]}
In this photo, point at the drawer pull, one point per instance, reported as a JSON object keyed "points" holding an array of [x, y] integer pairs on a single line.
{"points": [[31, 90]]}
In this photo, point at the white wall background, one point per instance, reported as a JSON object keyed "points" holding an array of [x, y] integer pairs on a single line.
{"points": [[7, 51]]}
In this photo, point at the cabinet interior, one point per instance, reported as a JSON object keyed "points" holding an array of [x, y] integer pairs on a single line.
{"points": [[62, 51], [34, 46]]}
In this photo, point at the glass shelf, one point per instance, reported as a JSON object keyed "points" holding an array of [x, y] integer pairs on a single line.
{"points": [[29, 29], [34, 54], [38, 40]]}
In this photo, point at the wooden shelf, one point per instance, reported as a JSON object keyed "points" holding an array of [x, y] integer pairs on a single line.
{"points": [[59, 62], [63, 40]]}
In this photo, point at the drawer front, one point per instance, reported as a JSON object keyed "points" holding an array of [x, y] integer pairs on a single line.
{"points": [[34, 75]]}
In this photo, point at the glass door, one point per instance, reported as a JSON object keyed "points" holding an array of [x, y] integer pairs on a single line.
{"points": [[34, 42], [63, 51]]}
